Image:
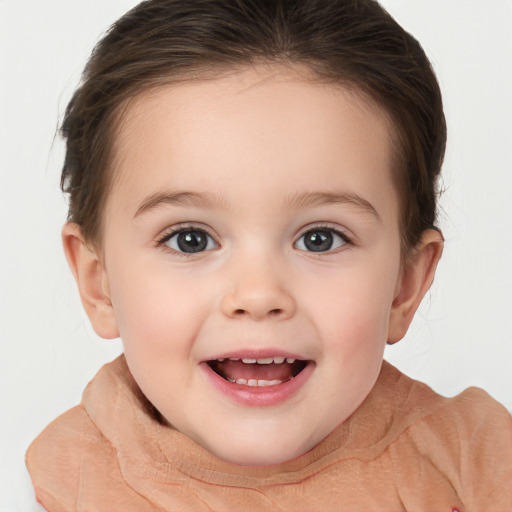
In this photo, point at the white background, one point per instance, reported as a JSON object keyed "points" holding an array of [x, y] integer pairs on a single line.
{"points": [[462, 335]]}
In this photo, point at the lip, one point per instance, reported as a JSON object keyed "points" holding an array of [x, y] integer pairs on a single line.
{"points": [[257, 354], [258, 396]]}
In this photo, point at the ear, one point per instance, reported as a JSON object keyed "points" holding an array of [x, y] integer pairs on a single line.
{"points": [[92, 280], [414, 282]]}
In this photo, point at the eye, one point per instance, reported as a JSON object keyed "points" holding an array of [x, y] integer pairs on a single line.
{"points": [[321, 240], [189, 241]]}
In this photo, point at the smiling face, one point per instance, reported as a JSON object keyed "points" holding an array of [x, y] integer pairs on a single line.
{"points": [[251, 253]]}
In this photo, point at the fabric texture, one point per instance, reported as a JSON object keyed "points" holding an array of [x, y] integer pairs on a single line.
{"points": [[405, 448]]}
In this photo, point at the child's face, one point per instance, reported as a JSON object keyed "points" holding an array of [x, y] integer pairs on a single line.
{"points": [[283, 189]]}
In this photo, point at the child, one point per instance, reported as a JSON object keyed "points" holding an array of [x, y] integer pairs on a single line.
{"points": [[252, 193]]}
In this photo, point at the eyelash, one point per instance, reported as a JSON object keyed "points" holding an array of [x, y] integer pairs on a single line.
{"points": [[162, 241], [325, 227], [183, 228]]}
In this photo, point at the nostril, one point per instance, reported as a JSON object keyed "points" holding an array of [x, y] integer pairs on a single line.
{"points": [[272, 312]]}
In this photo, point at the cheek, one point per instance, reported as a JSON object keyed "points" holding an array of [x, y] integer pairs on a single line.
{"points": [[155, 314], [352, 311], [158, 327]]}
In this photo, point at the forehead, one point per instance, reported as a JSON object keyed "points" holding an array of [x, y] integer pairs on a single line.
{"points": [[254, 126]]}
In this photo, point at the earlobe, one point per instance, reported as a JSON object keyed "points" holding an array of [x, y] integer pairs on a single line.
{"points": [[415, 280], [92, 281]]}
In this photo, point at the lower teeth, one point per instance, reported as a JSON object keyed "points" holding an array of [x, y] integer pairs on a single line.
{"points": [[255, 383]]}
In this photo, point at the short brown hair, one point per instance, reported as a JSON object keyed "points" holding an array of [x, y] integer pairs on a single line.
{"points": [[351, 42]]}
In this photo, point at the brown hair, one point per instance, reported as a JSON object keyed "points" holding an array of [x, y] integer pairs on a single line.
{"points": [[351, 42]]}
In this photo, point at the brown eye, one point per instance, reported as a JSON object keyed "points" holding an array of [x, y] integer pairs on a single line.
{"points": [[320, 240]]}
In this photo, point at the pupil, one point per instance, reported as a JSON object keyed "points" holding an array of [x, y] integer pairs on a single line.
{"points": [[192, 241], [318, 241]]}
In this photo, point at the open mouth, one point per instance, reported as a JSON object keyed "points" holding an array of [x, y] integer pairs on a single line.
{"points": [[261, 372]]}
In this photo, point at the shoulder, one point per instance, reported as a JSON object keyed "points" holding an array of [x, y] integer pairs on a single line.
{"points": [[74, 463], [416, 405], [72, 430], [57, 458], [472, 421], [467, 439], [479, 431], [476, 411]]}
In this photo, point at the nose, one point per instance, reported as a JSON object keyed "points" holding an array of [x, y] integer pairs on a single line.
{"points": [[258, 291]]}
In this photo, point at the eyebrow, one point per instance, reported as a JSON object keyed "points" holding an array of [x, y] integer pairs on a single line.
{"points": [[178, 198], [296, 201], [309, 199]]}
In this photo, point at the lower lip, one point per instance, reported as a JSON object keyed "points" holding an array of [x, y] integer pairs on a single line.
{"points": [[259, 396]]}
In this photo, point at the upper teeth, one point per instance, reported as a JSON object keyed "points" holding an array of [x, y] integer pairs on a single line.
{"points": [[263, 360]]}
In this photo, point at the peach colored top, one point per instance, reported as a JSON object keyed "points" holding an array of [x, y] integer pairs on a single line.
{"points": [[405, 448]]}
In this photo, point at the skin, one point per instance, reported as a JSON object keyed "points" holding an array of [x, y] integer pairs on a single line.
{"points": [[260, 150]]}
